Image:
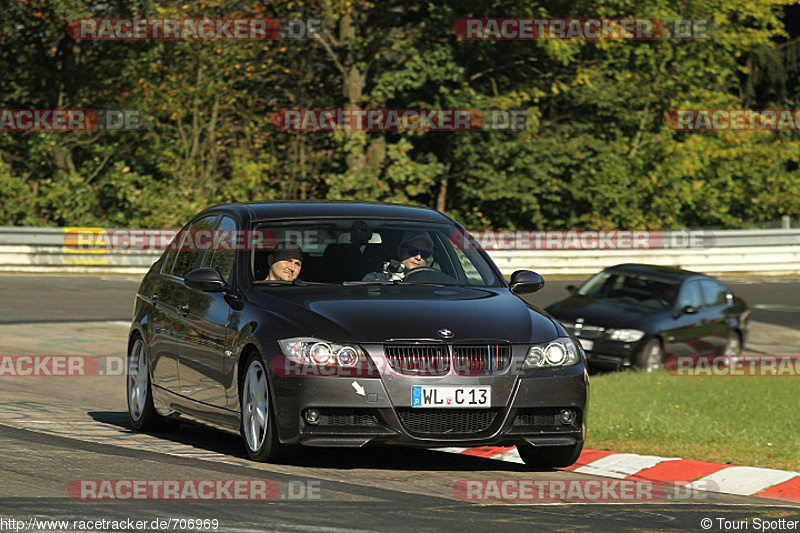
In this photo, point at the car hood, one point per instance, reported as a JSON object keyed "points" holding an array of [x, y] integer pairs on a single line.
{"points": [[376, 313], [605, 313]]}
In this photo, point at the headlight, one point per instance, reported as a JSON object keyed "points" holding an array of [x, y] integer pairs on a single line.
{"points": [[624, 335], [560, 352], [319, 352], [347, 356]]}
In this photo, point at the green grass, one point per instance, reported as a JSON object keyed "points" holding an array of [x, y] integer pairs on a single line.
{"points": [[752, 421]]}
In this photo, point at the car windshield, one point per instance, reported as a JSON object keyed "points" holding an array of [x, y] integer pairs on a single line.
{"points": [[360, 251], [633, 288]]}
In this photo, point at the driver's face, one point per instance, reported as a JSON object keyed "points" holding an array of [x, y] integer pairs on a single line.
{"points": [[285, 270], [417, 247]]}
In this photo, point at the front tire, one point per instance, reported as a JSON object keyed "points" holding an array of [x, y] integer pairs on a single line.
{"points": [[547, 458], [257, 415], [733, 345], [651, 358], [141, 411]]}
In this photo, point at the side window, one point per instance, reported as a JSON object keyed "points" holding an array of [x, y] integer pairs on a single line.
{"points": [[169, 260], [188, 252], [219, 257], [691, 295], [713, 293]]}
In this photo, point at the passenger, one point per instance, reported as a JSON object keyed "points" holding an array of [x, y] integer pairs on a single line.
{"points": [[415, 249], [284, 262]]}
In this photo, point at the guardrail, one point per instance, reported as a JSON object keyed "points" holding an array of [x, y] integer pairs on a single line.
{"points": [[770, 252]]}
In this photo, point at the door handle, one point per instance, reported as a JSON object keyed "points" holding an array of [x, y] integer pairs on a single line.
{"points": [[183, 309], [154, 298]]}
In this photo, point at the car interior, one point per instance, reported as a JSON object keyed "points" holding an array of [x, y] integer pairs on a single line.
{"points": [[347, 256], [639, 290]]}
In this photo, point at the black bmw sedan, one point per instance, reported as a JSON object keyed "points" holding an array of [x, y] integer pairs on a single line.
{"points": [[348, 324], [637, 315]]}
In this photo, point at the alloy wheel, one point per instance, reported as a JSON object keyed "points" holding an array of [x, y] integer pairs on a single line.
{"points": [[255, 406]]}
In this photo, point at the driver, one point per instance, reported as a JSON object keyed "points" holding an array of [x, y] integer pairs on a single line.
{"points": [[284, 262], [415, 250]]}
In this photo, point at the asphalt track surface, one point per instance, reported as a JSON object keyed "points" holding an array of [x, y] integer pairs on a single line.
{"points": [[55, 430]]}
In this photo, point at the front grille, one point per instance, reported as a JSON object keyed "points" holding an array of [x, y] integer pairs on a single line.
{"points": [[536, 417], [421, 359], [347, 417], [472, 359], [446, 422]]}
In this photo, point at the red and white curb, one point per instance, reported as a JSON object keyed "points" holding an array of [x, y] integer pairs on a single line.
{"points": [[729, 479]]}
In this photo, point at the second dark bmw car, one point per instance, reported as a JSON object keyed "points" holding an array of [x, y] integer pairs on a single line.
{"points": [[637, 315], [348, 324]]}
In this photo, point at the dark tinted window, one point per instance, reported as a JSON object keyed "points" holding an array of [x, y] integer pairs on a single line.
{"points": [[339, 250], [188, 253], [691, 295], [219, 257], [713, 293], [634, 288]]}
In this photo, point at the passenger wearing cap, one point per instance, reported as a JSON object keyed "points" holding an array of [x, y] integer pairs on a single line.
{"points": [[284, 262], [415, 250]]}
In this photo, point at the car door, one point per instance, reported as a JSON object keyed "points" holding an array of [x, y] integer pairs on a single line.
{"points": [[166, 322], [715, 296], [201, 350], [690, 332]]}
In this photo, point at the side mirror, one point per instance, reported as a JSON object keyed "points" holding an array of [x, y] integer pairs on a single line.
{"points": [[524, 281], [572, 289], [206, 280]]}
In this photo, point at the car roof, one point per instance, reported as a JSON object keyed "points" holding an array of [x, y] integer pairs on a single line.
{"points": [[306, 209], [666, 272]]}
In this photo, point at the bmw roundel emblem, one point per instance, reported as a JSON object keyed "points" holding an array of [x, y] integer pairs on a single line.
{"points": [[445, 333]]}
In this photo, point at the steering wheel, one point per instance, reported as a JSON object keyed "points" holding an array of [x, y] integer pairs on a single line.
{"points": [[428, 275]]}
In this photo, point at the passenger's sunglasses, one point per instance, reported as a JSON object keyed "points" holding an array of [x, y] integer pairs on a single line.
{"points": [[412, 251]]}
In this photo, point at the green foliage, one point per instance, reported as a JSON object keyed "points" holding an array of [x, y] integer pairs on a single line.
{"points": [[596, 152]]}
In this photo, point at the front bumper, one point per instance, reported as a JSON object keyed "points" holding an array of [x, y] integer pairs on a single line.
{"points": [[614, 354], [355, 411]]}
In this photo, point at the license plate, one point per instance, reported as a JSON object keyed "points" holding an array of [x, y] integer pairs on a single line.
{"points": [[587, 344], [450, 397]]}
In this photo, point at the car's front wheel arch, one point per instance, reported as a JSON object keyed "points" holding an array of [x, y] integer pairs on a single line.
{"points": [[258, 423], [734, 344], [651, 356], [142, 413]]}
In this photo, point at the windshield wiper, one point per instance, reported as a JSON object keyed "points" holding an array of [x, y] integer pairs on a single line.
{"points": [[371, 282], [280, 283], [425, 283]]}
